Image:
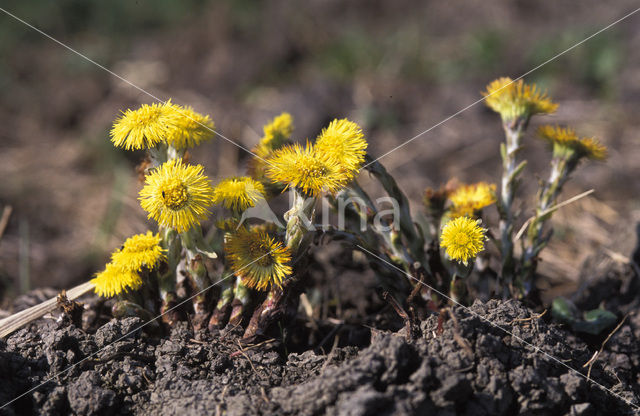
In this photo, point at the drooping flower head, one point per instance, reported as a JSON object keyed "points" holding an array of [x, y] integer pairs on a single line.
{"points": [[176, 195], [145, 127], [238, 193], [463, 239], [566, 143], [305, 168], [114, 280], [468, 200], [515, 99], [191, 129], [260, 260], [344, 141], [138, 251]]}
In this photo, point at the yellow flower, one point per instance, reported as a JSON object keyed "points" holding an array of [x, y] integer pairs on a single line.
{"points": [[178, 196], [515, 99], [258, 259], [144, 127], [138, 251], [593, 149], [306, 169], [276, 133], [238, 194], [469, 199], [114, 280], [463, 238], [191, 129], [566, 140], [343, 140]]}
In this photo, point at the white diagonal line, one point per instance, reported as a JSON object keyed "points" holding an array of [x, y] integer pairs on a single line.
{"points": [[494, 92], [472, 312], [131, 332], [64, 45]]}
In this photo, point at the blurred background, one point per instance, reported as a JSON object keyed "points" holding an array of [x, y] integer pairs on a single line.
{"points": [[396, 67]]}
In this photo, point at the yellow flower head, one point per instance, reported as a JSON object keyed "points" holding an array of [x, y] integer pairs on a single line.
{"points": [[276, 133], [515, 99], [258, 259], [190, 130], [178, 196], [469, 199], [114, 280], [566, 141], [343, 140], [463, 238], [238, 194], [306, 169], [144, 127], [138, 251]]}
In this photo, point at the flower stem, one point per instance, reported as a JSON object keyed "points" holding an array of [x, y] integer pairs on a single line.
{"points": [[167, 277], [511, 169], [561, 168]]}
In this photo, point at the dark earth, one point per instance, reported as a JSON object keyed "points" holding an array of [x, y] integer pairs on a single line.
{"points": [[460, 365]]}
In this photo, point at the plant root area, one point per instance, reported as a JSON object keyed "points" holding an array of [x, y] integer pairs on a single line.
{"points": [[463, 365]]}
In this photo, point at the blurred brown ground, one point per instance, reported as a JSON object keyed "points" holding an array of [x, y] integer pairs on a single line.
{"points": [[396, 67]]}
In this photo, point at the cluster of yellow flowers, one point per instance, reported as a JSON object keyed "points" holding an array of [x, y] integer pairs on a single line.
{"points": [[178, 195], [261, 256], [138, 253], [327, 166]]}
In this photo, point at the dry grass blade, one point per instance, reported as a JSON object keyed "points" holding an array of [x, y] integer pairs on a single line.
{"points": [[552, 209], [22, 318]]}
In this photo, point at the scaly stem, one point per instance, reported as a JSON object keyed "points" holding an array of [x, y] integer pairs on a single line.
{"points": [[511, 170], [223, 307], [167, 277], [192, 241], [561, 167], [240, 300], [414, 238], [299, 219]]}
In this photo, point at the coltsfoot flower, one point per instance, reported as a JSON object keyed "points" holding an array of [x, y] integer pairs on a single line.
{"points": [[191, 129], [176, 195], [515, 99], [344, 141], [468, 200], [145, 127], [276, 133], [566, 141], [307, 169], [114, 280], [258, 259], [463, 239], [138, 251], [238, 193]]}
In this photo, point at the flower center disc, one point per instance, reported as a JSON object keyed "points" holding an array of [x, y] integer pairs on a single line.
{"points": [[175, 195], [260, 254], [462, 239]]}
